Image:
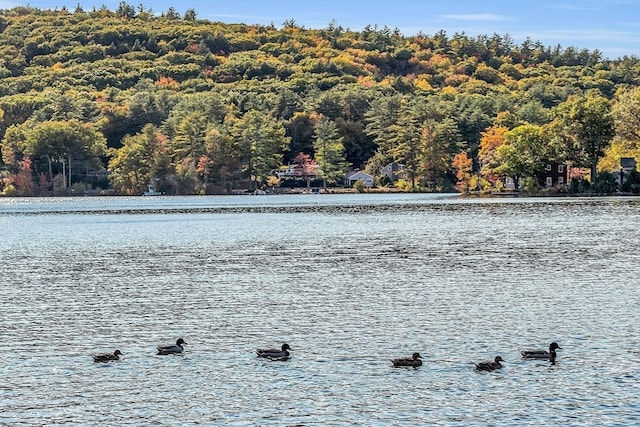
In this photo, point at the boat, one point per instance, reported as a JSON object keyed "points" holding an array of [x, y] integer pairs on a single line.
{"points": [[152, 192]]}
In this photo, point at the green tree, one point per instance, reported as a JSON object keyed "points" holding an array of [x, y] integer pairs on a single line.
{"points": [[186, 176], [262, 141], [300, 128], [405, 139], [626, 113], [626, 143], [125, 10], [13, 146], [329, 151], [439, 143], [53, 142], [190, 15], [189, 141], [382, 114], [524, 153], [142, 159], [224, 154], [533, 112], [586, 126]]}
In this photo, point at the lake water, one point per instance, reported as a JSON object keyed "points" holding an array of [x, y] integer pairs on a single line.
{"points": [[349, 281]]}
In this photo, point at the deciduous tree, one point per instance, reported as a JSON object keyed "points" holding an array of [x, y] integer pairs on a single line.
{"points": [[142, 159], [586, 125], [524, 153], [463, 167]]}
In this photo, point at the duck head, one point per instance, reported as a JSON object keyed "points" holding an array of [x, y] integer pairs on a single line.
{"points": [[554, 346], [180, 342], [286, 347], [117, 353], [498, 359], [416, 356]]}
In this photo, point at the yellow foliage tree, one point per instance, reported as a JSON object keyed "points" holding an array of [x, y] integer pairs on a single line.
{"points": [[490, 141], [462, 164]]}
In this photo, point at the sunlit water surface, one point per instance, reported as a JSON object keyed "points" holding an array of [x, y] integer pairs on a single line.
{"points": [[349, 281]]}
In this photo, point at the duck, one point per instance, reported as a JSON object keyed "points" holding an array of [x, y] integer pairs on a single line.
{"points": [[490, 365], [542, 354], [413, 361], [172, 349], [107, 357], [275, 354]]}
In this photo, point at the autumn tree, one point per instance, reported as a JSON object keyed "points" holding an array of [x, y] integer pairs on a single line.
{"points": [[308, 166], [626, 113], [119, 71], [22, 181], [490, 141], [463, 167], [626, 142]]}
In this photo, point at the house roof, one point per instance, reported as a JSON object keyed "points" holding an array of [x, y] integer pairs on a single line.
{"points": [[359, 175], [394, 166], [627, 163]]}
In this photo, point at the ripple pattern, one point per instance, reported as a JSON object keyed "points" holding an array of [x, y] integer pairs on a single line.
{"points": [[349, 285]]}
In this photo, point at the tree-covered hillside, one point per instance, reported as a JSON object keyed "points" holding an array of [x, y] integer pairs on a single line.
{"points": [[117, 100]]}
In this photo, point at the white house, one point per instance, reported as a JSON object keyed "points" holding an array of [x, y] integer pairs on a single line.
{"points": [[360, 176]]}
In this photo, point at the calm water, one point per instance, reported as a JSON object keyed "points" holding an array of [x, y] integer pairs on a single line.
{"points": [[348, 281]]}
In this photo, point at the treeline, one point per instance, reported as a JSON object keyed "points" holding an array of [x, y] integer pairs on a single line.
{"points": [[115, 100]]}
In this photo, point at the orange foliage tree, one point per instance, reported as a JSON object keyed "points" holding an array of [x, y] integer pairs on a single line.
{"points": [[490, 140], [462, 164], [23, 180]]}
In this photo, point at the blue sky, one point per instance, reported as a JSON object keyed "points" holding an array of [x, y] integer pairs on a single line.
{"points": [[611, 26]]}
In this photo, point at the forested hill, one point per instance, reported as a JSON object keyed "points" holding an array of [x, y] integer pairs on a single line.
{"points": [[191, 105]]}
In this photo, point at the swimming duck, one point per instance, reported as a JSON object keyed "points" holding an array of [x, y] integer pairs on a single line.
{"points": [[172, 349], [275, 354], [106, 357], [490, 366], [413, 361], [542, 354]]}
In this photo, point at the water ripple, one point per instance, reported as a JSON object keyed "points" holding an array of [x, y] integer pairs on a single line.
{"points": [[349, 287]]}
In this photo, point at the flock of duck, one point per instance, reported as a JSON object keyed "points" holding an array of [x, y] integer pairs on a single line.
{"points": [[414, 361], [176, 348], [491, 365]]}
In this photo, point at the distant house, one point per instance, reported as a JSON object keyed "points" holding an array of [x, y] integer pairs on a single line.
{"points": [[627, 164], [555, 174], [509, 184], [296, 171], [360, 176], [393, 171]]}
